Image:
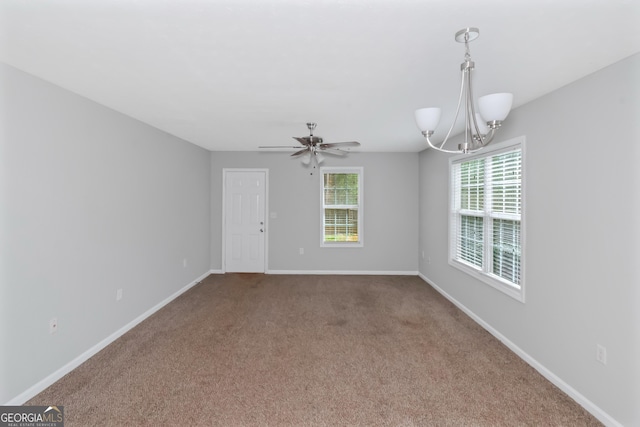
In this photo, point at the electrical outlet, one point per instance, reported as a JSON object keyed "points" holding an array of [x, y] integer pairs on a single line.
{"points": [[301, 251], [601, 354], [53, 325], [118, 294], [184, 263]]}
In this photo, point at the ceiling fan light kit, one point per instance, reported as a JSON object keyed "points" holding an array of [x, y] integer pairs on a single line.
{"points": [[480, 127]]}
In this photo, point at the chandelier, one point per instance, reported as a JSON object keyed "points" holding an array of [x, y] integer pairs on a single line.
{"points": [[480, 126]]}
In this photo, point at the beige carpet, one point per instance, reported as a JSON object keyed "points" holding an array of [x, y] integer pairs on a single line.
{"points": [[271, 350]]}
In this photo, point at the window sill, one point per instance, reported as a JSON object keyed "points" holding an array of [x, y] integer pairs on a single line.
{"points": [[495, 282], [341, 244]]}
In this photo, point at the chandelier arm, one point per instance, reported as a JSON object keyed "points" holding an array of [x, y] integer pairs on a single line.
{"points": [[487, 138], [481, 138], [440, 148], [468, 111], [446, 138]]}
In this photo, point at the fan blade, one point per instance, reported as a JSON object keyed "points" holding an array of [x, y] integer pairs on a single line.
{"points": [[297, 153], [304, 140], [278, 146], [340, 144], [334, 151]]}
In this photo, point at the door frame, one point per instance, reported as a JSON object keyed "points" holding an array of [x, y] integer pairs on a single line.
{"points": [[224, 214]]}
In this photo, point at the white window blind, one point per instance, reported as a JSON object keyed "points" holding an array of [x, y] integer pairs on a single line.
{"points": [[341, 207], [486, 215], [505, 190]]}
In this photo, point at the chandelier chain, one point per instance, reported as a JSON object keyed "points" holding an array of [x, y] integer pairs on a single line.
{"points": [[467, 51]]}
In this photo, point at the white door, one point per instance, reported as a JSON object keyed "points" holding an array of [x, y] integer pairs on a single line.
{"points": [[244, 207]]}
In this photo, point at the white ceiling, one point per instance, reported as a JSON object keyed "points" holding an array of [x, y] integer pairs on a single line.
{"points": [[236, 74]]}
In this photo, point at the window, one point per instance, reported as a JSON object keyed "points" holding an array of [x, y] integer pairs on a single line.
{"points": [[486, 216], [341, 207]]}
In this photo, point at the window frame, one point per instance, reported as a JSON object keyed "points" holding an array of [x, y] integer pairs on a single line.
{"points": [[360, 205], [483, 273]]}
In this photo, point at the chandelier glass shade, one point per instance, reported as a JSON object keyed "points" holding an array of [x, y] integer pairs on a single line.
{"points": [[480, 125]]}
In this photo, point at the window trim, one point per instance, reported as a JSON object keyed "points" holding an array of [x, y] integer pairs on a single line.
{"points": [[341, 170], [480, 273]]}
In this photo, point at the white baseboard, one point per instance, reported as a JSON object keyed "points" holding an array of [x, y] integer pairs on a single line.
{"points": [[345, 272], [596, 411], [55, 376]]}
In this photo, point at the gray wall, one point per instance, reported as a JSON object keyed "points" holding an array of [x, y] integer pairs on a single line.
{"points": [[390, 212], [92, 201], [582, 233]]}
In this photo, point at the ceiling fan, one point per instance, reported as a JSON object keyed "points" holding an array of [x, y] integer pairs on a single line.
{"points": [[314, 148]]}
